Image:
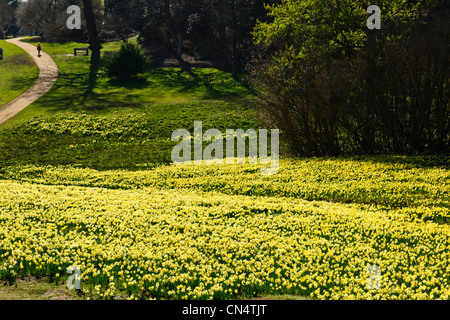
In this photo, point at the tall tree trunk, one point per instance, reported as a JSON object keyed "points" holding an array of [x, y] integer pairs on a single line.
{"points": [[167, 19], [94, 41], [371, 82], [234, 58], [234, 64], [179, 39]]}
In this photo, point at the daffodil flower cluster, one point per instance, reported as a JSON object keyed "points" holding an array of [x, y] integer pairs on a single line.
{"points": [[223, 232]]}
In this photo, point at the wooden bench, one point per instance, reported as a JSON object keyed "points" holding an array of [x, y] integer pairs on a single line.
{"points": [[80, 49]]}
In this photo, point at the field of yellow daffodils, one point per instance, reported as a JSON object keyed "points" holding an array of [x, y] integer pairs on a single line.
{"points": [[318, 229]]}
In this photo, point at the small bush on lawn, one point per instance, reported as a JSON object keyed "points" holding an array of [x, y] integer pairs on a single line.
{"points": [[127, 63]]}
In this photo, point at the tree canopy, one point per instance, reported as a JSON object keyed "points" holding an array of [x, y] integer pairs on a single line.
{"points": [[8, 17], [303, 27], [328, 80]]}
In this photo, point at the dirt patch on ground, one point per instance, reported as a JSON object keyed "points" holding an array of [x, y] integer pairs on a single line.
{"points": [[30, 288], [20, 60], [56, 295]]}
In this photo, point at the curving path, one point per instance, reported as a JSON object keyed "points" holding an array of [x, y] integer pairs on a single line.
{"points": [[48, 74]]}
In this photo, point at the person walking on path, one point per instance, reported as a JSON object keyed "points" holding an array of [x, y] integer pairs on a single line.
{"points": [[39, 49], [48, 75]]}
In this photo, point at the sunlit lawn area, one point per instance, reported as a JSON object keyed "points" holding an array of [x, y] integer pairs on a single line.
{"points": [[17, 72], [79, 89]]}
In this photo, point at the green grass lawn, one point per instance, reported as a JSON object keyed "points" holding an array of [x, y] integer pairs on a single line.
{"points": [[108, 138], [77, 90], [105, 124], [18, 72]]}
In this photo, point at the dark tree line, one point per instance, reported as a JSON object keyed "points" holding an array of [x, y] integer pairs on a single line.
{"points": [[333, 86], [328, 82], [205, 27], [8, 20]]}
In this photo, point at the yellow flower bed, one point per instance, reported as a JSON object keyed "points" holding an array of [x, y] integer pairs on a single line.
{"points": [[204, 232]]}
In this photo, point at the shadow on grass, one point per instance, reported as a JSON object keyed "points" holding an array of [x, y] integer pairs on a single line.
{"points": [[84, 85], [186, 82], [18, 82], [79, 91], [93, 71], [136, 83]]}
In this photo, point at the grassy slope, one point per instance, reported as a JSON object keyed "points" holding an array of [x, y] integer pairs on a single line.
{"points": [[17, 72], [114, 137], [107, 125], [77, 90]]}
